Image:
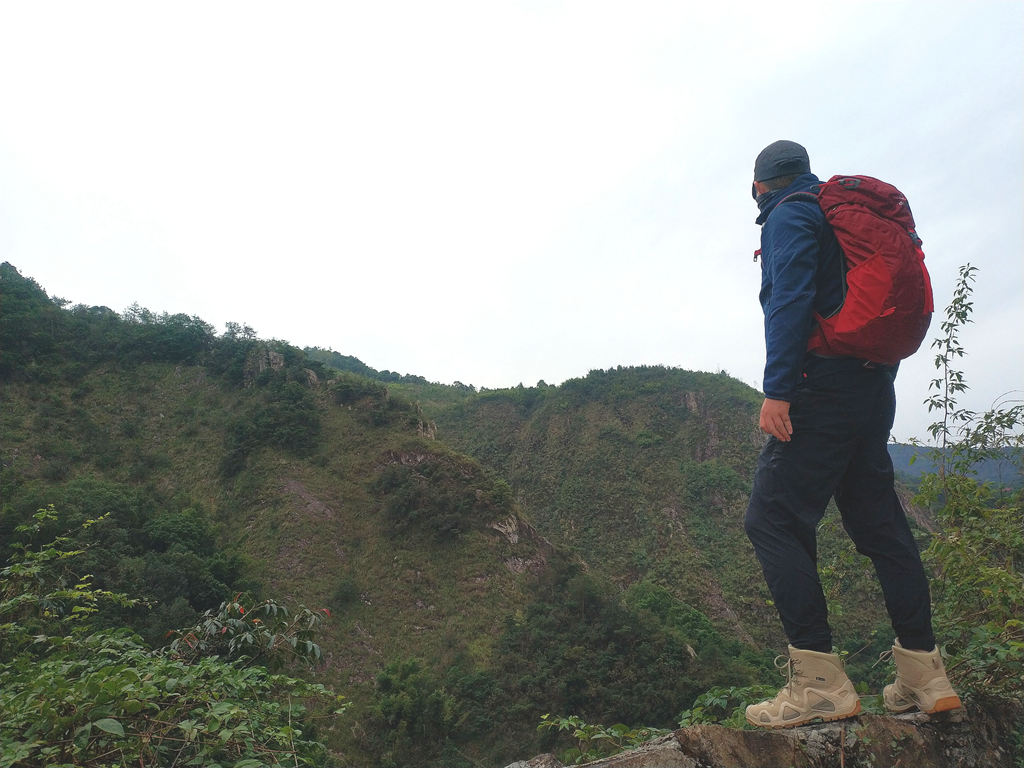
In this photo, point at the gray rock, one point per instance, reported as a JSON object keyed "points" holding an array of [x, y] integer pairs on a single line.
{"points": [[984, 735], [540, 761]]}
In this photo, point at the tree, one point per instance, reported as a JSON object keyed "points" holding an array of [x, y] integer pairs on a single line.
{"points": [[977, 553]]}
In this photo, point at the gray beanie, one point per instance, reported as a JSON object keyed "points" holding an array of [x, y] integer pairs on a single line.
{"points": [[781, 158]]}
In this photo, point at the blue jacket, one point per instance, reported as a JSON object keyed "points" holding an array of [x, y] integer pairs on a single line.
{"points": [[801, 274]]}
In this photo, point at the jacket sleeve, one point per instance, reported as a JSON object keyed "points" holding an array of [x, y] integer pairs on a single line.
{"points": [[790, 244]]}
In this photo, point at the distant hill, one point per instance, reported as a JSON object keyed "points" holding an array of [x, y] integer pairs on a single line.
{"points": [[911, 462], [351, 364]]}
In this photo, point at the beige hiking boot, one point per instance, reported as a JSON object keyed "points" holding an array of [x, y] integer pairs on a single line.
{"points": [[818, 688], [920, 682]]}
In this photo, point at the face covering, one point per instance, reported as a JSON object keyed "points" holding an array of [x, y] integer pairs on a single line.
{"points": [[763, 198]]}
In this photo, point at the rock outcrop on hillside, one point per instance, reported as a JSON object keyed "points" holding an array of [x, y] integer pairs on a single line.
{"points": [[988, 734]]}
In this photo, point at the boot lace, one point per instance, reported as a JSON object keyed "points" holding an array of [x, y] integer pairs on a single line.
{"points": [[787, 668], [883, 657]]}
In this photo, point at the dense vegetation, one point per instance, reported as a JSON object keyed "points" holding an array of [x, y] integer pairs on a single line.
{"points": [[487, 557], [226, 465], [74, 693]]}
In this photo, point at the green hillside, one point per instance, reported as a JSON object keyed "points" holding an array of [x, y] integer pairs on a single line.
{"points": [[485, 557], [644, 469], [231, 465], [647, 471]]}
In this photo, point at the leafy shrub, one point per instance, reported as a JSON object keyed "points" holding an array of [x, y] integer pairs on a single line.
{"points": [[580, 649], [282, 414], [372, 401], [978, 551], [146, 337], [228, 353], [712, 483], [346, 592], [441, 494], [725, 705], [143, 547], [188, 529], [72, 695], [716, 655], [414, 716], [347, 390], [594, 742], [267, 632]]}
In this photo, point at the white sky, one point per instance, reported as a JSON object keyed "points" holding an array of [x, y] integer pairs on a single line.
{"points": [[501, 192]]}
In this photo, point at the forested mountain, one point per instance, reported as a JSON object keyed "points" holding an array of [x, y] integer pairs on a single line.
{"points": [[486, 557], [228, 465]]}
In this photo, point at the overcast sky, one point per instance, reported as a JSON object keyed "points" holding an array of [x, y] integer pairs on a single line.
{"points": [[501, 192]]}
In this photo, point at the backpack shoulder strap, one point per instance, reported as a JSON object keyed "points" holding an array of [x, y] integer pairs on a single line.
{"points": [[806, 197]]}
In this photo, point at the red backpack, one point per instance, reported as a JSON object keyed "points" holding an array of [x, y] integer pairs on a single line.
{"points": [[887, 304]]}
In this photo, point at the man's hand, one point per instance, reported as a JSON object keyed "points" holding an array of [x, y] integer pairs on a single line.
{"points": [[775, 419]]}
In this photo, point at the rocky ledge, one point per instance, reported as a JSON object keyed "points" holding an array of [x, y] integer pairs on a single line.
{"points": [[986, 734]]}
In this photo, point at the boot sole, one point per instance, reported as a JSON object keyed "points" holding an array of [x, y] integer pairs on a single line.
{"points": [[805, 721], [945, 704]]}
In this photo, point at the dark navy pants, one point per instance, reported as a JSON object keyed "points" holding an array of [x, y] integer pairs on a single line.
{"points": [[842, 414]]}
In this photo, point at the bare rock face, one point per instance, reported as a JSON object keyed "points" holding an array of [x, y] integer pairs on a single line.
{"points": [[427, 429], [259, 360], [989, 733]]}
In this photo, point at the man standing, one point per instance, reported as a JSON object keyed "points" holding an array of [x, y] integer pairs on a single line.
{"points": [[828, 421]]}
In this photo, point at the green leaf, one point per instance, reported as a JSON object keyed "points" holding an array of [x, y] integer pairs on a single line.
{"points": [[132, 706], [110, 725]]}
